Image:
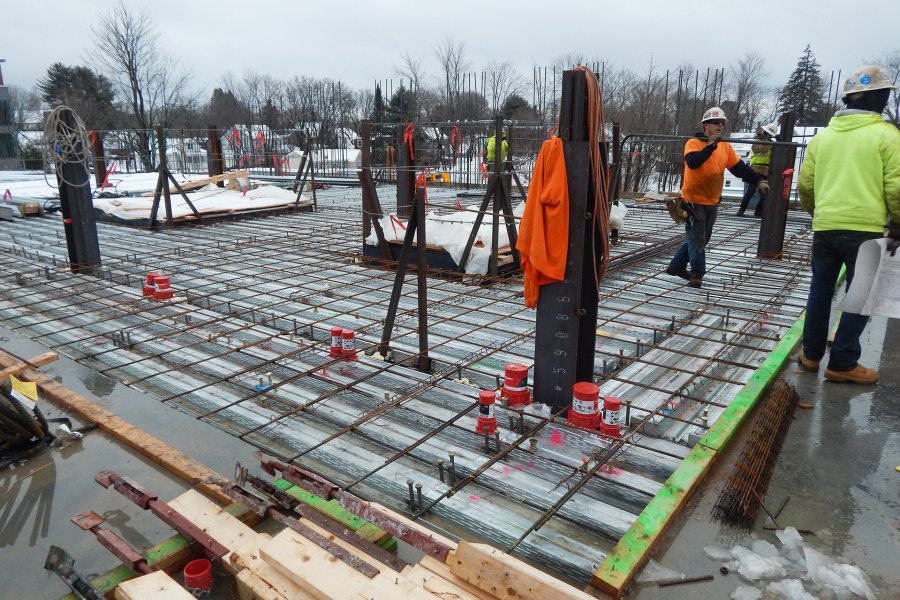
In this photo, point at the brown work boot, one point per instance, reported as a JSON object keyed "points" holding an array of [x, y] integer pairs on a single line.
{"points": [[695, 281], [682, 272], [808, 364], [858, 374]]}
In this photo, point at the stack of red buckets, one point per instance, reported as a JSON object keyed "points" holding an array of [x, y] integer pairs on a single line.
{"points": [[158, 287]]}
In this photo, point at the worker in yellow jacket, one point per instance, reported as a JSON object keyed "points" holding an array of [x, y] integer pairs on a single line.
{"points": [[759, 162], [491, 153], [850, 184]]}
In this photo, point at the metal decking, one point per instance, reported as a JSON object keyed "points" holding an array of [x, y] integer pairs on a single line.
{"points": [[245, 347]]}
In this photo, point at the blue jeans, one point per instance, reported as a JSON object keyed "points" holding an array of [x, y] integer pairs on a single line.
{"points": [[698, 228], [830, 250]]}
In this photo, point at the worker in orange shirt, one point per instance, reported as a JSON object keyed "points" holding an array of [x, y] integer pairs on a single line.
{"points": [[705, 161]]}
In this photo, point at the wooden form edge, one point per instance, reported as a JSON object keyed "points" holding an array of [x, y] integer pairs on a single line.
{"points": [[161, 453], [618, 569]]}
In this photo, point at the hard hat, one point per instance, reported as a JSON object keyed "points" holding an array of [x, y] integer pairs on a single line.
{"points": [[713, 114], [771, 129], [868, 78]]}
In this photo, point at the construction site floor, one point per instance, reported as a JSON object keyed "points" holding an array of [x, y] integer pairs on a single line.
{"points": [[838, 466]]}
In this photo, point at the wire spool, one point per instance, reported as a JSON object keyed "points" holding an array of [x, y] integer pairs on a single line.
{"points": [[67, 139]]}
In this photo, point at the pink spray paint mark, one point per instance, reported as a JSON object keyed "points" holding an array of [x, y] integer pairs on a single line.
{"points": [[506, 469], [474, 497], [7, 195], [556, 437]]}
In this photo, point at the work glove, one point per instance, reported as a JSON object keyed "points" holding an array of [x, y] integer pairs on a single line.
{"points": [[894, 235], [763, 187]]}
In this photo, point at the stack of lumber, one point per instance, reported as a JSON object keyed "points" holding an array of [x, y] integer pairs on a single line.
{"points": [[289, 565]]}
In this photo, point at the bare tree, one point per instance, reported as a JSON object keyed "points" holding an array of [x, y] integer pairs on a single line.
{"points": [[891, 62], [502, 80], [452, 58], [747, 91], [126, 44], [411, 69], [24, 104]]}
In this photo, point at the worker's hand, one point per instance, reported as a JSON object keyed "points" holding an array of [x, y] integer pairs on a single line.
{"points": [[763, 187], [713, 139], [894, 236]]}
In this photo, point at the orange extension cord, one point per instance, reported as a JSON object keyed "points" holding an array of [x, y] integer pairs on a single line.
{"points": [[597, 134]]}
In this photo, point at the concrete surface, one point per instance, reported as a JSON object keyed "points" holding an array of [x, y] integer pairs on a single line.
{"points": [[837, 465]]}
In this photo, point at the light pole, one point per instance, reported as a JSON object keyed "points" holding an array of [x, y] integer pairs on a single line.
{"points": [[2, 60]]}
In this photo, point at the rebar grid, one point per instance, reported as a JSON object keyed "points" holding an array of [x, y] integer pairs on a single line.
{"points": [[741, 497], [258, 296]]}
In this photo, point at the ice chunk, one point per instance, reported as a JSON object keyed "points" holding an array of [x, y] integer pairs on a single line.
{"points": [[789, 589], [789, 537], [764, 548], [837, 577], [717, 553], [753, 566], [654, 572], [745, 592]]}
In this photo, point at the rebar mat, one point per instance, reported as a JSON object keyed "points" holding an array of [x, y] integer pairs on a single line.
{"points": [[741, 498]]}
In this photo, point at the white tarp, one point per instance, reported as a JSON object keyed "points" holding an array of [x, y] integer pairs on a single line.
{"points": [[875, 289]]}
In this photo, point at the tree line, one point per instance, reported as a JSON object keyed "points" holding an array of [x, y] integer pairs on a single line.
{"points": [[134, 84]]}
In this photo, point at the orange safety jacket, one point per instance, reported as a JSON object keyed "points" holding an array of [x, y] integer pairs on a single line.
{"points": [[544, 231], [703, 185]]}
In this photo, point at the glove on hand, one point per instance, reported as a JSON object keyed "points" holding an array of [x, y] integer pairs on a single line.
{"points": [[894, 235], [763, 187]]}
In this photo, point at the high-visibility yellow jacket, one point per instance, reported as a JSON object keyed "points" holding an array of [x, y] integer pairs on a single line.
{"points": [[850, 176], [492, 149]]}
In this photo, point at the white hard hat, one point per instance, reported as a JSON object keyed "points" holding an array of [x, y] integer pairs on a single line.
{"points": [[866, 79], [713, 114], [771, 129]]}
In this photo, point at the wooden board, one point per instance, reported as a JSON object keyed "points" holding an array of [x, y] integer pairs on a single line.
{"points": [[152, 587], [153, 448], [213, 520], [259, 579], [329, 578], [506, 577], [439, 586], [37, 361], [442, 570], [197, 183]]}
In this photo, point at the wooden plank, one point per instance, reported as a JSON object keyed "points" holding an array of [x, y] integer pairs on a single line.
{"points": [[198, 183], [438, 585], [37, 361], [326, 577], [442, 570], [261, 580], [151, 587], [506, 577], [334, 510], [151, 447], [215, 521]]}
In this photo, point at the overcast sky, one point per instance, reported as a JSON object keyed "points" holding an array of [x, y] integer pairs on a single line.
{"points": [[360, 41]]}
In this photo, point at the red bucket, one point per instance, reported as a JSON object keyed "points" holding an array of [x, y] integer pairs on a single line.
{"points": [[198, 575]]}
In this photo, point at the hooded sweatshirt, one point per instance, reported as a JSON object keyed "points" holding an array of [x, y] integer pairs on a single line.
{"points": [[850, 176]]}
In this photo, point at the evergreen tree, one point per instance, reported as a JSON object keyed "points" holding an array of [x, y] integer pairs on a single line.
{"points": [[378, 106], [402, 106], [516, 107], [802, 94], [89, 94], [224, 110]]}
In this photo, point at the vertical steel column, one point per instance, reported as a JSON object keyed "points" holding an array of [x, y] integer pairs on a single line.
{"points": [[406, 180], [99, 158], [77, 207], [566, 322], [365, 132], [215, 162], [774, 218]]}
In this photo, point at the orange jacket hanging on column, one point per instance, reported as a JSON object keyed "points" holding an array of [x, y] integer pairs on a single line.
{"points": [[544, 231]]}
